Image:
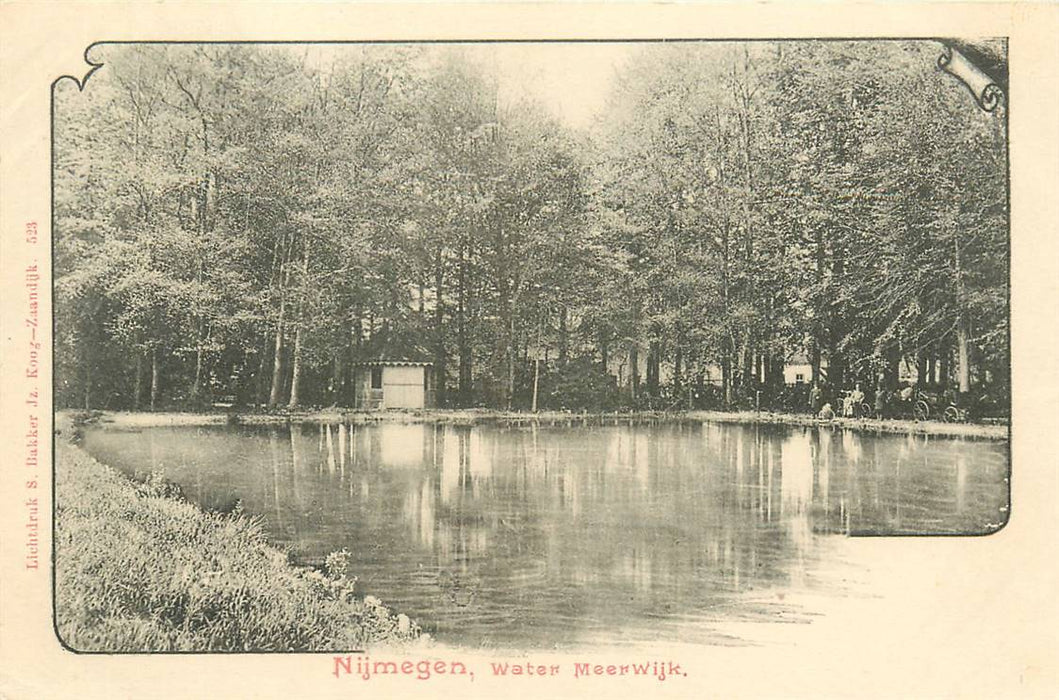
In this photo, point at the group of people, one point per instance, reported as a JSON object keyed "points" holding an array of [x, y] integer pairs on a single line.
{"points": [[904, 400], [851, 403]]}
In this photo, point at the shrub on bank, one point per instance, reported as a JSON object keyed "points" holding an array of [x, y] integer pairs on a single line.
{"points": [[140, 570]]}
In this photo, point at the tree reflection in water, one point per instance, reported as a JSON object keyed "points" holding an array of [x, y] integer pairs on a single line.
{"points": [[543, 536]]}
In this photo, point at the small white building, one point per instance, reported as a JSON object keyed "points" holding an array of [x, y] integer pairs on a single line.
{"points": [[799, 370], [384, 384]]}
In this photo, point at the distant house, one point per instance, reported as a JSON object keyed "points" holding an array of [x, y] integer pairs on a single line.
{"points": [[383, 384], [908, 373], [712, 376], [799, 369]]}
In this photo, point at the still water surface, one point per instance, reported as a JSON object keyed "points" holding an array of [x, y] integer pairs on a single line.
{"points": [[563, 536]]}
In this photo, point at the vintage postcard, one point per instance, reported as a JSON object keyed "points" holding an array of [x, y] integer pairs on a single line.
{"points": [[460, 350]]}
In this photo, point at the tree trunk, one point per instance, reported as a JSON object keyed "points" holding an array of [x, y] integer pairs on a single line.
{"points": [[461, 332], [634, 370], [726, 352], [277, 352], [746, 364], [836, 363], [653, 352], [726, 374], [154, 377], [537, 366], [440, 360], [296, 373], [814, 360], [563, 340], [777, 372], [196, 385], [261, 380], [203, 229], [244, 387], [510, 359], [893, 367], [335, 389], [700, 382], [963, 354], [137, 384], [346, 375], [836, 369], [277, 361], [88, 383], [818, 329], [506, 293], [678, 370]]}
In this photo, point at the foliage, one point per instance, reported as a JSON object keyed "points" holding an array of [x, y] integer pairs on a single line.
{"points": [[242, 223]]}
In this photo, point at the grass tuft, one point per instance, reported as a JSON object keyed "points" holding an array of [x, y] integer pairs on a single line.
{"points": [[139, 570]]}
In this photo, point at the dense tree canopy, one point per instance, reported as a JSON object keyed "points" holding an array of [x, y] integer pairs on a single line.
{"points": [[244, 223]]}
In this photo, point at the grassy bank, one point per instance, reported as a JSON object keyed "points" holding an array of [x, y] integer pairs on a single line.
{"points": [[876, 425], [138, 569], [481, 416]]}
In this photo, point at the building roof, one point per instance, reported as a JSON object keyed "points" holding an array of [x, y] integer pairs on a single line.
{"points": [[391, 363], [393, 351], [802, 358]]}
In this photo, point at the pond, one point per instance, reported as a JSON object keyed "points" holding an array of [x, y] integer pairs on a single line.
{"points": [[561, 536]]}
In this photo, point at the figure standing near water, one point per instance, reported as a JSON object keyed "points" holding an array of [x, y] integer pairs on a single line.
{"points": [[847, 404], [815, 397], [858, 395], [880, 398], [857, 401]]}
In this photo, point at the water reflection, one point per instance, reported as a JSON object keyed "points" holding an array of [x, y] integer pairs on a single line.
{"points": [[552, 536]]}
